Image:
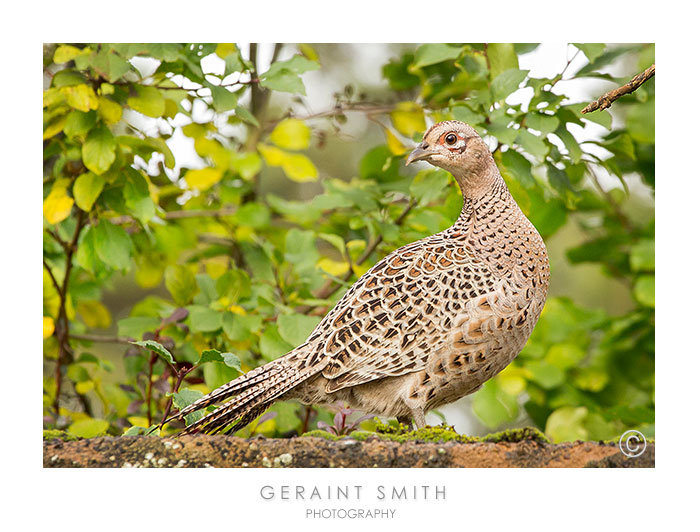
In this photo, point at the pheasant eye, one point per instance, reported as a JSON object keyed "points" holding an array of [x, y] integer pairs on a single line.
{"points": [[451, 138]]}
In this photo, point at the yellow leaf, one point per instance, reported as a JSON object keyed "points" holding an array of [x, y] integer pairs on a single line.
{"points": [[308, 51], [236, 309], [292, 134], [55, 127], [512, 380], [65, 53], [217, 266], [273, 156], [149, 270], [84, 387], [298, 167], [48, 327], [58, 203], [333, 267], [111, 112], [408, 118], [81, 97], [360, 270], [395, 145], [225, 49], [53, 96], [203, 178], [95, 314], [206, 147], [138, 421]]}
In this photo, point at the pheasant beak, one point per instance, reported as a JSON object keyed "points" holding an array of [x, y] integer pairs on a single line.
{"points": [[421, 153]]}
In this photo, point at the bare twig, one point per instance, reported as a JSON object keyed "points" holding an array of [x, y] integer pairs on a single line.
{"points": [[100, 338], [609, 97], [177, 215]]}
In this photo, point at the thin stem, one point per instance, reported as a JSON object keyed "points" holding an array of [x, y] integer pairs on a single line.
{"points": [[99, 338], [178, 215], [62, 326]]}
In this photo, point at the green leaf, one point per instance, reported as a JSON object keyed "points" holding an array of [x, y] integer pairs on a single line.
{"points": [[148, 101], [592, 50], [532, 144], [137, 196], [300, 247], [223, 99], [284, 81], [493, 406], [88, 428], [644, 290], [161, 146], [109, 65], [502, 57], [296, 328], [571, 144], [181, 283], [272, 345], [157, 348], [506, 83], [430, 54], [284, 75], [253, 214], [566, 424], [204, 319], [642, 256], [240, 328], [519, 167], [641, 122], [79, 123], [184, 398], [216, 375], [466, 115], [244, 114], [545, 374], [565, 356], [233, 284], [86, 190], [135, 326], [99, 150], [113, 245], [542, 122], [429, 185], [212, 355]]}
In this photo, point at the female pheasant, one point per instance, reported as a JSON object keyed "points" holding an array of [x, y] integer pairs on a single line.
{"points": [[426, 325]]}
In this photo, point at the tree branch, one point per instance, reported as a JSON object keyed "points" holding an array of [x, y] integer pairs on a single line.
{"points": [[609, 97]]}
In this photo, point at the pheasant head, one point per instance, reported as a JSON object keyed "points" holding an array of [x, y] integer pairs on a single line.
{"points": [[458, 148]]}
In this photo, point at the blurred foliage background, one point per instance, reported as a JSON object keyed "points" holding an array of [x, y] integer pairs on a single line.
{"points": [[211, 201]]}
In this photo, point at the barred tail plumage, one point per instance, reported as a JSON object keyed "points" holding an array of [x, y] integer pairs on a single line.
{"points": [[250, 395]]}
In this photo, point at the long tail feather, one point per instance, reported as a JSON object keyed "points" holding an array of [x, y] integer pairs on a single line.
{"points": [[250, 395]]}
